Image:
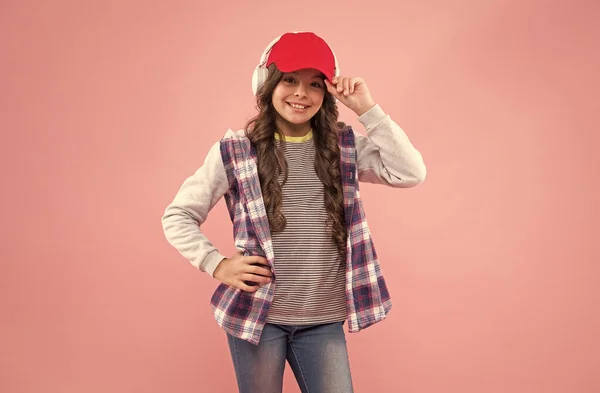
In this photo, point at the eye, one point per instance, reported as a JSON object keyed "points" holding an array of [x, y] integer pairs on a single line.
{"points": [[289, 79], [317, 85]]}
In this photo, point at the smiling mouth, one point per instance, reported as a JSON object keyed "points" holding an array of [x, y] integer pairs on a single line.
{"points": [[296, 106]]}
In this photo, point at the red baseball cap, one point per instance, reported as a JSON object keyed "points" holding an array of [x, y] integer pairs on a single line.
{"points": [[295, 51]]}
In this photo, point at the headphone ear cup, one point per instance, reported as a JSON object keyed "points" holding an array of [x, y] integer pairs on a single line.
{"points": [[258, 78]]}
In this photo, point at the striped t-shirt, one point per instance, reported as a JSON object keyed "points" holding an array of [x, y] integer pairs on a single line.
{"points": [[310, 286]]}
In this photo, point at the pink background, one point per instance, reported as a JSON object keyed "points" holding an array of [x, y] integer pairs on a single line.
{"points": [[493, 263]]}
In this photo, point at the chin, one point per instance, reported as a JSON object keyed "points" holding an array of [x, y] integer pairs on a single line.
{"points": [[297, 121]]}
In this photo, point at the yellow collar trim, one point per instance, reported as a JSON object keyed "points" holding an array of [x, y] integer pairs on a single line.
{"points": [[296, 139]]}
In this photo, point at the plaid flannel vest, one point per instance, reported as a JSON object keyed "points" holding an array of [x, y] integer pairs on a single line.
{"points": [[243, 314]]}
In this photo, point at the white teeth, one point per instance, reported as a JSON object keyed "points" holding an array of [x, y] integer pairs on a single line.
{"points": [[298, 106]]}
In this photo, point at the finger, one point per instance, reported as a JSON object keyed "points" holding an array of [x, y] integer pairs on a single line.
{"points": [[262, 271], [331, 89], [255, 259], [353, 84], [247, 288], [347, 86], [358, 81], [340, 84], [256, 278]]}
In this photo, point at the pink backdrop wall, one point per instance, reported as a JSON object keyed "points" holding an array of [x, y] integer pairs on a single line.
{"points": [[493, 262]]}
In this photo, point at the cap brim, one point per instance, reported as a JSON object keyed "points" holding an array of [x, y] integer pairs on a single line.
{"points": [[285, 66]]}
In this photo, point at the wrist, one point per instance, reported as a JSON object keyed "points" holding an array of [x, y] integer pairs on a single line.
{"points": [[218, 269], [361, 110]]}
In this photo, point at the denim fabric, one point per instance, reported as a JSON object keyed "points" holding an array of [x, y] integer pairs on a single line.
{"points": [[317, 355]]}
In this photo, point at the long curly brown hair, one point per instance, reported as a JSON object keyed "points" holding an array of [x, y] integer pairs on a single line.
{"points": [[272, 166]]}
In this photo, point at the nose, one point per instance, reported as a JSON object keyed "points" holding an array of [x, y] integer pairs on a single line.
{"points": [[300, 91]]}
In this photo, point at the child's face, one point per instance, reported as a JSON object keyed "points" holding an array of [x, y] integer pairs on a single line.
{"points": [[305, 88]]}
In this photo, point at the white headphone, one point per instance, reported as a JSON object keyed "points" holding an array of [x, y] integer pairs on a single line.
{"points": [[261, 72]]}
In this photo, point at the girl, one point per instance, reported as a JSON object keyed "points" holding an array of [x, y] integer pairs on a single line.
{"points": [[306, 263]]}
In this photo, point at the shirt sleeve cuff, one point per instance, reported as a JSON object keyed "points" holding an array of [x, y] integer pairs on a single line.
{"points": [[212, 261], [372, 116]]}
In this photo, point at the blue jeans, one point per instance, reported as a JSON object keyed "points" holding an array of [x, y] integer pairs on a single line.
{"points": [[317, 355]]}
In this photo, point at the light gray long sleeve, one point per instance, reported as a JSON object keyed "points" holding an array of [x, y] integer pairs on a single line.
{"points": [[183, 218], [385, 156]]}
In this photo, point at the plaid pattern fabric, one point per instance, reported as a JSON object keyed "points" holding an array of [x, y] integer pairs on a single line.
{"points": [[243, 314], [367, 297]]}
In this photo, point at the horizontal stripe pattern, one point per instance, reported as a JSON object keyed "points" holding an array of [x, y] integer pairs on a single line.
{"points": [[310, 275]]}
